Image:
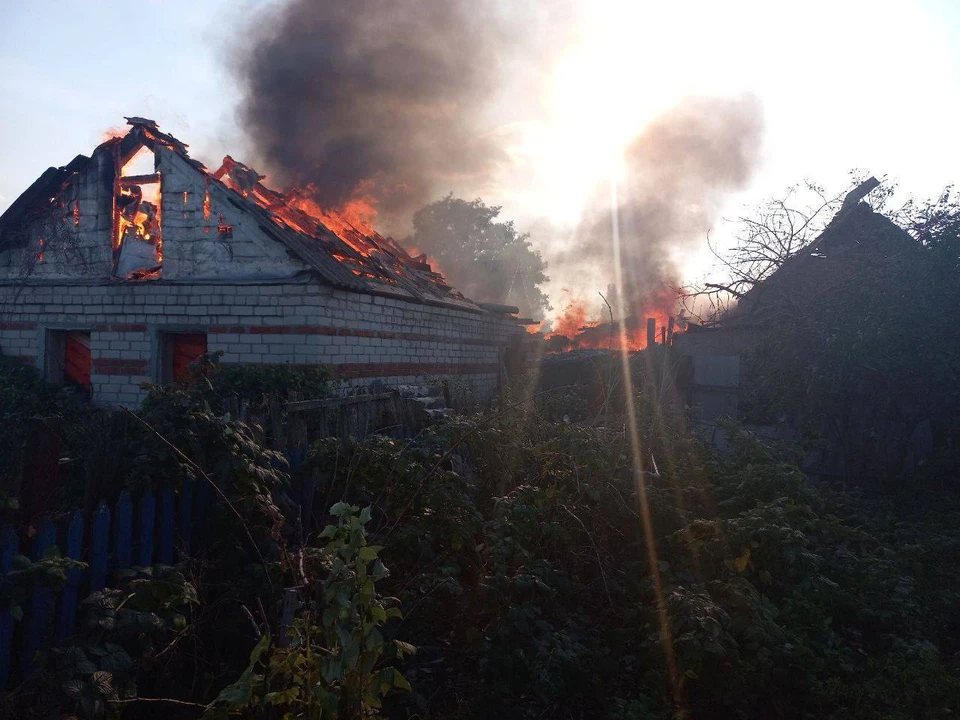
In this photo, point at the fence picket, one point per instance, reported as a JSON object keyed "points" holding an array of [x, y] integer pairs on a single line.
{"points": [[99, 548], [8, 547], [167, 519], [68, 597], [204, 495], [148, 516], [42, 596], [186, 506], [123, 532]]}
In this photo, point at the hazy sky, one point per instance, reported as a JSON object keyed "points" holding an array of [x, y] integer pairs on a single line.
{"points": [[843, 84]]}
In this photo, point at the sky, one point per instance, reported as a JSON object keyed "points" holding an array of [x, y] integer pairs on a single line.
{"points": [[843, 84]]}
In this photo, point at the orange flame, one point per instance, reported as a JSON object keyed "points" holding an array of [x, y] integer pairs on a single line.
{"points": [[572, 321], [423, 258], [112, 133], [573, 331]]}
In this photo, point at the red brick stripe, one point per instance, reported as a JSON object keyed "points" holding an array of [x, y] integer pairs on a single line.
{"points": [[342, 332], [17, 326], [112, 366]]}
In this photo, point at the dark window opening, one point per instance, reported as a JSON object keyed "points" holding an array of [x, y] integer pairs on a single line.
{"points": [[180, 351], [68, 360]]}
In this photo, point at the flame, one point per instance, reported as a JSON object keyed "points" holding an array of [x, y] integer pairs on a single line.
{"points": [[573, 330], [112, 133], [40, 254], [572, 321], [140, 222], [76, 213], [423, 258], [352, 222]]}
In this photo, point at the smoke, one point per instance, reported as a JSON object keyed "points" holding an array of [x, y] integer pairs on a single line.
{"points": [[383, 100], [676, 176]]}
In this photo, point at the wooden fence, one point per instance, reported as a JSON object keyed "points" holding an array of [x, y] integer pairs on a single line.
{"points": [[136, 532], [157, 527]]}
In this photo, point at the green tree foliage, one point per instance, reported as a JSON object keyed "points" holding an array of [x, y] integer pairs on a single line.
{"points": [[483, 257]]}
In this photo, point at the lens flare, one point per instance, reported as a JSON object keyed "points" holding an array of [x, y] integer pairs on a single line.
{"points": [[639, 474]]}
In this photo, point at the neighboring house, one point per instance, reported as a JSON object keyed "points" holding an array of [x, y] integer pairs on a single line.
{"points": [[857, 239], [128, 265]]}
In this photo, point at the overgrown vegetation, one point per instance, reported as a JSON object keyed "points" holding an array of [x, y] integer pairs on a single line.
{"points": [[538, 575], [854, 347], [24, 395]]}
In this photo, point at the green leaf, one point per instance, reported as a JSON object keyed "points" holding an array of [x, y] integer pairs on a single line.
{"points": [[373, 640], [341, 508], [369, 553], [259, 649], [238, 693], [399, 681], [404, 648], [282, 697]]}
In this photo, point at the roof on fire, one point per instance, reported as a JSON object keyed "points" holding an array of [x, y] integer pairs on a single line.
{"points": [[351, 258]]}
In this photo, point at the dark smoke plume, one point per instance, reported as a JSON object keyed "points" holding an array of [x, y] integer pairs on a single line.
{"points": [[383, 98], [677, 174]]}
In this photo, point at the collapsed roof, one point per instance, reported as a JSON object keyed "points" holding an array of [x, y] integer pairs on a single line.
{"points": [[340, 253]]}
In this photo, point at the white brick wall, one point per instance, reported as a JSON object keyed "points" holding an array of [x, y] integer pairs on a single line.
{"points": [[292, 322]]}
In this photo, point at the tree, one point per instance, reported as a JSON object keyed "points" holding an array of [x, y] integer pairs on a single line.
{"points": [[486, 259], [765, 237]]}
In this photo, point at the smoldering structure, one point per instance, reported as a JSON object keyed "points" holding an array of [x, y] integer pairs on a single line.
{"points": [[675, 177], [114, 272]]}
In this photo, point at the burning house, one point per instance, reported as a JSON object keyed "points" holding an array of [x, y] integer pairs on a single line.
{"points": [[128, 265]]}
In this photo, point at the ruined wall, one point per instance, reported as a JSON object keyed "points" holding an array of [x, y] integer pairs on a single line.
{"points": [[361, 337], [203, 233], [71, 237]]}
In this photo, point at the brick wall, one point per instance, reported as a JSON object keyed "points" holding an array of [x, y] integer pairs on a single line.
{"points": [[362, 337]]}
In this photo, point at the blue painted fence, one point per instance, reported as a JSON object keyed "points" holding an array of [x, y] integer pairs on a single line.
{"points": [[137, 531]]}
